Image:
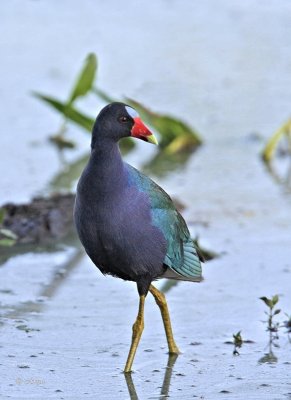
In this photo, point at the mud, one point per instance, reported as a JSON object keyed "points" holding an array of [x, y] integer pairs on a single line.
{"points": [[40, 221]]}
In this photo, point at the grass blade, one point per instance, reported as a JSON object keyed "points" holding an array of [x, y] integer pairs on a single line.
{"points": [[272, 143], [85, 79], [68, 111]]}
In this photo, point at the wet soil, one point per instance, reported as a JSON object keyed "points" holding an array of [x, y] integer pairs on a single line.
{"points": [[40, 221]]}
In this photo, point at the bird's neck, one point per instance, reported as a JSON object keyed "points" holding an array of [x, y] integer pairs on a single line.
{"points": [[107, 170]]}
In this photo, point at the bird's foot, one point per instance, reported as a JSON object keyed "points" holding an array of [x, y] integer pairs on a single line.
{"points": [[175, 350]]}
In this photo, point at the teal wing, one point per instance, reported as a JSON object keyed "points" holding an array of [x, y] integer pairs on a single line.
{"points": [[182, 257]]}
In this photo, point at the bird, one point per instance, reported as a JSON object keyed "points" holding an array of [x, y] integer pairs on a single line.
{"points": [[127, 224]]}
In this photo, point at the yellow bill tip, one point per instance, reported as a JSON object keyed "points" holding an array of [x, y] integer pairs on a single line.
{"points": [[152, 139]]}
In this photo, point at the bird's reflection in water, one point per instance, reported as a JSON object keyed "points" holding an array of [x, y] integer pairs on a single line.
{"points": [[166, 383]]}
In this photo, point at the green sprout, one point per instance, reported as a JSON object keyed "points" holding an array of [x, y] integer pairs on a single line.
{"points": [[272, 326], [237, 341]]}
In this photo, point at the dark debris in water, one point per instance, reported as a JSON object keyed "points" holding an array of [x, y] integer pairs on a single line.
{"points": [[41, 220], [6, 291], [27, 329], [247, 341]]}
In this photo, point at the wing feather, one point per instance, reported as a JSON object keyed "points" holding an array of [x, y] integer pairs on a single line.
{"points": [[182, 257]]}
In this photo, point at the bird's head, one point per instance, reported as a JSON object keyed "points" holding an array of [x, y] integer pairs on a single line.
{"points": [[118, 120]]}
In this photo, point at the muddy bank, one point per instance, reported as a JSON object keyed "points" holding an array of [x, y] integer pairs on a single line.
{"points": [[42, 220]]}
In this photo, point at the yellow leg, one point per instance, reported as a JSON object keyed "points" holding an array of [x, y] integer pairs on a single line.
{"points": [[162, 303], [137, 329]]}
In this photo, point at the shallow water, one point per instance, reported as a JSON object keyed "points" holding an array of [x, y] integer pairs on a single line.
{"points": [[65, 328]]}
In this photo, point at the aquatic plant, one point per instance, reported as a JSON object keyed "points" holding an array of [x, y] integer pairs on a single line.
{"points": [[237, 341], [283, 132], [175, 135], [279, 144], [7, 238], [272, 326], [287, 324], [81, 87]]}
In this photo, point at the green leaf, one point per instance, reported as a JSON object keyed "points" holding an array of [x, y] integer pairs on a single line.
{"points": [[272, 143], [9, 234], [275, 299], [102, 95], [206, 254], [276, 312], [85, 79], [61, 142], [7, 242], [2, 215], [170, 129], [267, 301], [237, 338], [68, 111], [183, 143]]}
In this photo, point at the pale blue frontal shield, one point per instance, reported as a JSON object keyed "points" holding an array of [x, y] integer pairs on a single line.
{"points": [[131, 111]]}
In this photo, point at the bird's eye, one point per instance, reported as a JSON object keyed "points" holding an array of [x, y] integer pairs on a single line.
{"points": [[123, 119]]}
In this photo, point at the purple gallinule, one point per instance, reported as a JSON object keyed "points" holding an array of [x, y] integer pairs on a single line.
{"points": [[127, 224]]}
